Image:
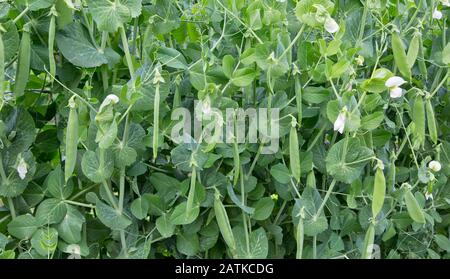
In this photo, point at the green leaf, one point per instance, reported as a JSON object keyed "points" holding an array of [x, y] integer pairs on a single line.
{"points": [[179, 215], [164, 226], [372, 121], [111, 217], [96, 169], [258, 244], [51, 211], [243, 77], [110, 15], [171, 57], [75, 45], [139, 208], [188, 243], [23, 226], [228, 64], [443, 242], [346, 159], [281, 173], [44, 241], [263, 209], [124, 156], [70, 227], [55, 185]]}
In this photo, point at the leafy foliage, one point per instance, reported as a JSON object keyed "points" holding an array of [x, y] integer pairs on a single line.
{"points": [[88, 165]]}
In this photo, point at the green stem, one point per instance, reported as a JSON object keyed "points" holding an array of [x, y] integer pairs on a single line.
{"points": [[17, 18], [11, 207], [299, 33], [79, 204], [325, 199], [109, 194], [247, 238]]}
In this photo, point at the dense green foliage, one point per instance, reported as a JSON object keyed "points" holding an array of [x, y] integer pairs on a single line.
{"points": [[88, 166]]}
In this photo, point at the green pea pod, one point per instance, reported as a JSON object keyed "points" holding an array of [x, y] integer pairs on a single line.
{"points": [[414, 210], [298, 98], [379, 192], [391, 176], [419, 120], [71, 141], [294, 154], [413, 50], [236, 162], [2, 69], [23, 68], [156, 123], [431, 121], [299, 237], [51, 43], [224, 224], [190, 199], [400, 56], [368, 243], [421, 61], [311, 180]]}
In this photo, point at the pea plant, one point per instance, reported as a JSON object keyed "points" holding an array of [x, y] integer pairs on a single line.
{"points": [[336, 118]]}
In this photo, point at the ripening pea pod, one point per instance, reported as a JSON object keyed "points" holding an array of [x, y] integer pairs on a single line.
{"points": [[366, 252], [379, 190], [294, 151], [400, 56], [23, 62], [51, 42], [431, 121], [413, 50], [419, 120], [413, 207], [71, 140], [224, 223]]}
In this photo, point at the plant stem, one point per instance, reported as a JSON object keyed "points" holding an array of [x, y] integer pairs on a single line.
{"points": [[325, 199], [79, 204], [110, 194], [247, 238], [17, 18], [11, 207]]}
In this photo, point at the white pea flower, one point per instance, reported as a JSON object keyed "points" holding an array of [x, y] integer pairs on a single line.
{"points": [[435, 166], [331, 25], [445, 3], [22, 169], [339, 124], [394, 83], [437, 14], [111, 99], [428, 195]]}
